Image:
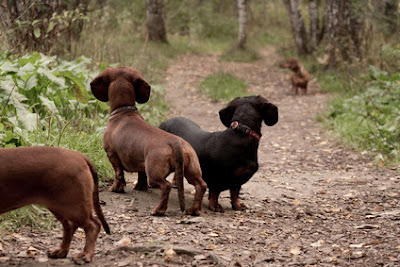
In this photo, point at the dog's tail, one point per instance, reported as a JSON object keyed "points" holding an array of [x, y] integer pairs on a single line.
{"points": [[178, 176], [96, 200]]}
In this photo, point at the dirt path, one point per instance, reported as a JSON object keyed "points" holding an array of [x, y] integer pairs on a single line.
{"points": [[312, 202]]}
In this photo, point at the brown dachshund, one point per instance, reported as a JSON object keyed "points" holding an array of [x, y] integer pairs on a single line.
{"points": [[133, 145], [300, 76], [62, 180]]}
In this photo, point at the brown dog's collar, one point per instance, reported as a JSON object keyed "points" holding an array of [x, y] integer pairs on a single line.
{"points": [[118, 110], [245, 129]]}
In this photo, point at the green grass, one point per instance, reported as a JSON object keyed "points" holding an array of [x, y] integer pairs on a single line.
{"points": [[240, 55], [223, 86], [34, 216]]}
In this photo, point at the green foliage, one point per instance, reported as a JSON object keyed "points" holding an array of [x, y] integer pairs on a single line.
{"points": [[371, 119], [34, 216], [240, 55], [223, 86], [47, 101]]}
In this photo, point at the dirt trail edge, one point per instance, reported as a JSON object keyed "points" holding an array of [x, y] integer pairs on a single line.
{"points": [[312, 201]]}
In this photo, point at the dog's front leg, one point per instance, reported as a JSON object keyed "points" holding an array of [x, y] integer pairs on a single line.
{"points": [[235, 201], [141, 184], [119, 182], [213, 201]]}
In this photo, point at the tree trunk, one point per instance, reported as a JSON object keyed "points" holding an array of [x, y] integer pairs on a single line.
{"points": [[297, 24], [242, 13], [344, 29], [314, 23], [155, 21], [391, 13]]}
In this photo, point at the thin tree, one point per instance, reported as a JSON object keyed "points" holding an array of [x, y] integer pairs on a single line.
{"points": [[297, 24], [242, 18], [155, 21]]}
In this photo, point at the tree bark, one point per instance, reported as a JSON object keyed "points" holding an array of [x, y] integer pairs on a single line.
{"points": [[314, 23], [297, 24], [242, 18], [344, 29], [391, 13], [155, 21]]}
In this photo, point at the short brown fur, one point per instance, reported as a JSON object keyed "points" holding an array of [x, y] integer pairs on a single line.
{"points": [[300, 76], [62, 180], [133, 145]]}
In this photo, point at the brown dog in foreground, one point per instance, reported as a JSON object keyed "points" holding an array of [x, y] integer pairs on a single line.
{"points": [[300, 76], [133, 145], [62, 180]]}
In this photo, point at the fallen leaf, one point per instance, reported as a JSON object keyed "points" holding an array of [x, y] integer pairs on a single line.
{"points": [[318, 244], [160, 230], [212, 246], [296, 202], [357, 245], [169, 254], [125, 241], [294, 249], [213, 234]]}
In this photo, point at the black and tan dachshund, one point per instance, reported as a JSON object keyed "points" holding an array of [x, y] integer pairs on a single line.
{"points": [[228, 158]]}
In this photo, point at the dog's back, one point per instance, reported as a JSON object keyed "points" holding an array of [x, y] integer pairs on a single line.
{"points": [[42, 175], [62, 180]]}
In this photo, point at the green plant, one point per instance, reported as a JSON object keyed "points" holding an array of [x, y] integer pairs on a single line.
{"points": [[34, 216], [240, 55], [223, 86], [371, 118]]}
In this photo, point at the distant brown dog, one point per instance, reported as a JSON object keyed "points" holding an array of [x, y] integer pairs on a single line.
{"points": [[62, 180], [300, 76], [133, 145]]}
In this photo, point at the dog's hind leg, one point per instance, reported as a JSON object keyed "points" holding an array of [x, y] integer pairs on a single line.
{"points": [[213, 201], [92, 228], [142, 182], [69, 229], [235, 200], [157, 169], [119, 182], [193, 176]]}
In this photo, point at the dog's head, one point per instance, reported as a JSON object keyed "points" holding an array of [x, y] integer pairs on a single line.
{"points": [[250, 110], [120, 80], [291, 63]]}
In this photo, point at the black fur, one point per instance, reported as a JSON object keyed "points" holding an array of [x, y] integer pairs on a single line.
{"points": [[228, 158]]}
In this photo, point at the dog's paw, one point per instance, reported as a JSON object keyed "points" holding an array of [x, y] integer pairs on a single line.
{"points": [[141, 187], [82, 258], [157, 213], [193, 212], [117, 187], [217, 208], [239, 206], [57, 253]]}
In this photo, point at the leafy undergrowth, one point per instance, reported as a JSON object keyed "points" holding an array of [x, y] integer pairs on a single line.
{"points": [[223, 86], [45, 101], [371, 119]]}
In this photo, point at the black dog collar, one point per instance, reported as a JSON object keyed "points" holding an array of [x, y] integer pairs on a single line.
{"points": [[118, 110], [245, 129]]}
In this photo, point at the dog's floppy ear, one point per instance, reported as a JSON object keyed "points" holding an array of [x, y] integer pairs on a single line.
{"points": [[270, 113], [99, 86], [226, 114], [142, 90]]}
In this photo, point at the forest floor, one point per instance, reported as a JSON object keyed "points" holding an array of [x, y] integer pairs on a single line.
{"points": [[313, 201]]}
